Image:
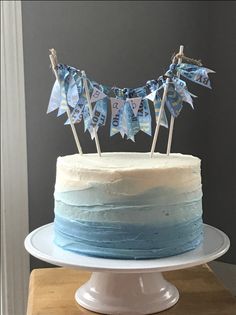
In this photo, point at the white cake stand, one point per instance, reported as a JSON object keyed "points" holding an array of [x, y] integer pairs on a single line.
{"points": [[126, 286]]}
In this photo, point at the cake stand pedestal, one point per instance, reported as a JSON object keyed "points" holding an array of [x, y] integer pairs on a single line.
{"points": [[126, 286]]}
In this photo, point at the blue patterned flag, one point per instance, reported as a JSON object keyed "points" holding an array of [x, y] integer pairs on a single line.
{"points": [[116, 115], [75, 90], [157, 107], [67, 91], [181, 88], [86, 117], [195, 73], [72, 94], [144, 117], [58, 95], [99, 113], [63, 104], [77, 113], [154, 87], [134, 104], [66, 75], [98, 118], [174, 101], [130, 124]]}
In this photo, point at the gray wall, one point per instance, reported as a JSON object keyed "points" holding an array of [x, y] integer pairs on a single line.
{"points": [[126, 43]]}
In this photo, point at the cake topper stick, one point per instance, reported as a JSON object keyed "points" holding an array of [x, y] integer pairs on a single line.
{"points": [[181, 51], [91, 111], [53, 59], [164, 96]]}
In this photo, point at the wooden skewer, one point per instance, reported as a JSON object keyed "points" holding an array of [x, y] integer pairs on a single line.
{"points": [[154, 141], [53, 59], [181, 50]]}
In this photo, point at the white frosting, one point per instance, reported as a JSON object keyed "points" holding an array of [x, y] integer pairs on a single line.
{"points": [[128, 173]]}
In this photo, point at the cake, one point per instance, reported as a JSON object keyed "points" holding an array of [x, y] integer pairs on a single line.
{"points": [[128, 205]]}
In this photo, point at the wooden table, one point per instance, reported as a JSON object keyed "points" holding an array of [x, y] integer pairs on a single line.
{"points": [[51, 292]]}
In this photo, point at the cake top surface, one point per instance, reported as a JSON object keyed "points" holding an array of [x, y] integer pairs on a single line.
{"points": [[127, 160]]}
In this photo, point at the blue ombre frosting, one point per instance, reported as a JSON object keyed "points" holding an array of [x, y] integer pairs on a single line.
{"points": [[127, 241], [127, 205]]}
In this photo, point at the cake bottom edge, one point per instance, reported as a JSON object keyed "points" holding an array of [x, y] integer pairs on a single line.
{"points": [[128, 254], [143, 243]]}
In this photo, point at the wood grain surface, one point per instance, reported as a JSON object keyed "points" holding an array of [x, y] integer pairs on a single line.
{"points": [[51, 292]]}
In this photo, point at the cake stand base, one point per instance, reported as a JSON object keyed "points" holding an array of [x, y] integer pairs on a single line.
{"points": [[126, 286], [135, 293]]}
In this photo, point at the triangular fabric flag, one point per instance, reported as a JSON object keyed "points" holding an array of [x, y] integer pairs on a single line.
{"points": [[133, 127], [75, 90], [86, 117], [195, 73], [116, 113], [130, 125], [157, 107], [174, 101], [99, 116], [182, 90], [134, 104], [144, 117], [64, 78], [151, 96], [122, 124], [99, 113], [76, 115], [63, 107], [55, 98], [116, 105], [97, 95], [72, 94], [124, 120]]}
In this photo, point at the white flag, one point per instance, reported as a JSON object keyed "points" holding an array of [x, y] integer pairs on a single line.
{"points": [[97, 95], [151, 96], [55, 98], [135, 103], [116, 105], [187, 98]]}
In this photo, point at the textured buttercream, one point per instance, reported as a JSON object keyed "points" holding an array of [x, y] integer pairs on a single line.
{"points": [[128, 192]]}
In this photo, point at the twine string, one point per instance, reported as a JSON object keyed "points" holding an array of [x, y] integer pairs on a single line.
{"points": [[177, 56]]}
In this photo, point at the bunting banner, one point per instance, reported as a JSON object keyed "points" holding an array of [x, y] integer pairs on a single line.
{"points": [[129, 107]]}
